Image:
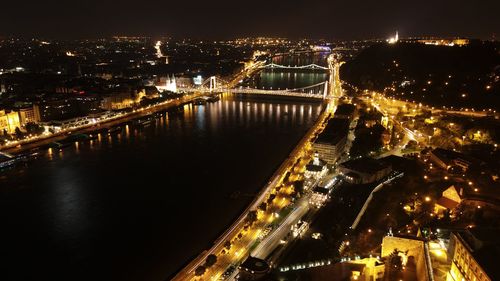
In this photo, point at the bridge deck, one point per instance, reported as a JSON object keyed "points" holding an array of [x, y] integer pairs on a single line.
{"points": [[311, 66]]}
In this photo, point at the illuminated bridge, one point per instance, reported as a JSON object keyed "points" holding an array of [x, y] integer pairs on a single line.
{"points": [[313, 50], [312, 66], [217, 85]]}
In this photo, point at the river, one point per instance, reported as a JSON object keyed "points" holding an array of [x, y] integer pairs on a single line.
{"points": [[140, 204]]}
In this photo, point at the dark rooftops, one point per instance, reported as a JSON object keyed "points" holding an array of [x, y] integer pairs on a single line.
{"points": [[401, 163], [255, 265], [365, 165], [485, 246], [314, 168], [448, 155], [336, 129], [321, 190], [345, 110], [311, 166], [447, 203]]}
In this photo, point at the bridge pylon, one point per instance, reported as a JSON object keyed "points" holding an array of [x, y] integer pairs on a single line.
{"points": [[325, 90], [213, 83]]}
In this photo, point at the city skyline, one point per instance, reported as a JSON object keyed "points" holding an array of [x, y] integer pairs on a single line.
{"points": [[274, 141], [224, 20]]}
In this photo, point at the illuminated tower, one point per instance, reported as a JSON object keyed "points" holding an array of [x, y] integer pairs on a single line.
{"points": [[171, 84], [394, 39]]}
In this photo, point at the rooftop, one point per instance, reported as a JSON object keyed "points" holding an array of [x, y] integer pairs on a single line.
{"points": [[336, 129], [485, 248], [321, 190], [314, 168], [255, 264], [447, 203], [448, 155], [365, 165], [345, 109]]}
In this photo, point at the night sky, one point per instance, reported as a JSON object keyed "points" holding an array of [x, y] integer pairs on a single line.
{"points": [[222, 19]]}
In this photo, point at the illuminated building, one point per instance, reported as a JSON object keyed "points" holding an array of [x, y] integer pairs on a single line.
{"points": [[316, 168], [299, 228], [319, 196], [475, 255], [159, 53], [366, 269], [449, 200], [394, 39], [122, 100], [331, 142], [169, 84], [385, 121], [373, 270], [29, 114], [9, 121], [413, 255], [445, 42]]}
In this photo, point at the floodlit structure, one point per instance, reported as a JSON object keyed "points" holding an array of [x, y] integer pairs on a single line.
{"points": [[9, 121], [445, 42], [393, 40], [169, 85], [316, 168], [30, 114], [319, 196], [299, 228], [475, 255], [449, 201], [413, 252]]}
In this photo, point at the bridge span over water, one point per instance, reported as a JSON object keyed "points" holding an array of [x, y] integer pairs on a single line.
{"points": [[319, 91], [217, 85]]}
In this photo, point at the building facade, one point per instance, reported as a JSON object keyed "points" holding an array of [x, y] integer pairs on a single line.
{"points": [[9, 121], [29, 114], [330, 151], [316, 168], [123, 99], [364, 170], [464, 266]]}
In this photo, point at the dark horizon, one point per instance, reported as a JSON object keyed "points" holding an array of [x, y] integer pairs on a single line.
{"points": [[319, 19]]}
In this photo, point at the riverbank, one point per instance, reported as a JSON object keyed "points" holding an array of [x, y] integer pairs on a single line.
{"points": [[160, 191], [142, 112], [188, 273]]}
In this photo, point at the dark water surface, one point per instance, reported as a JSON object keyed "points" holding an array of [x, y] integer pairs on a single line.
{"points": [[291, 78], [140, 204]]}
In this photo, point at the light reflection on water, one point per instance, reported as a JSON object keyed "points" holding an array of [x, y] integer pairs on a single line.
{"points": [[121, 195], [291, 79], [211, 115]]}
